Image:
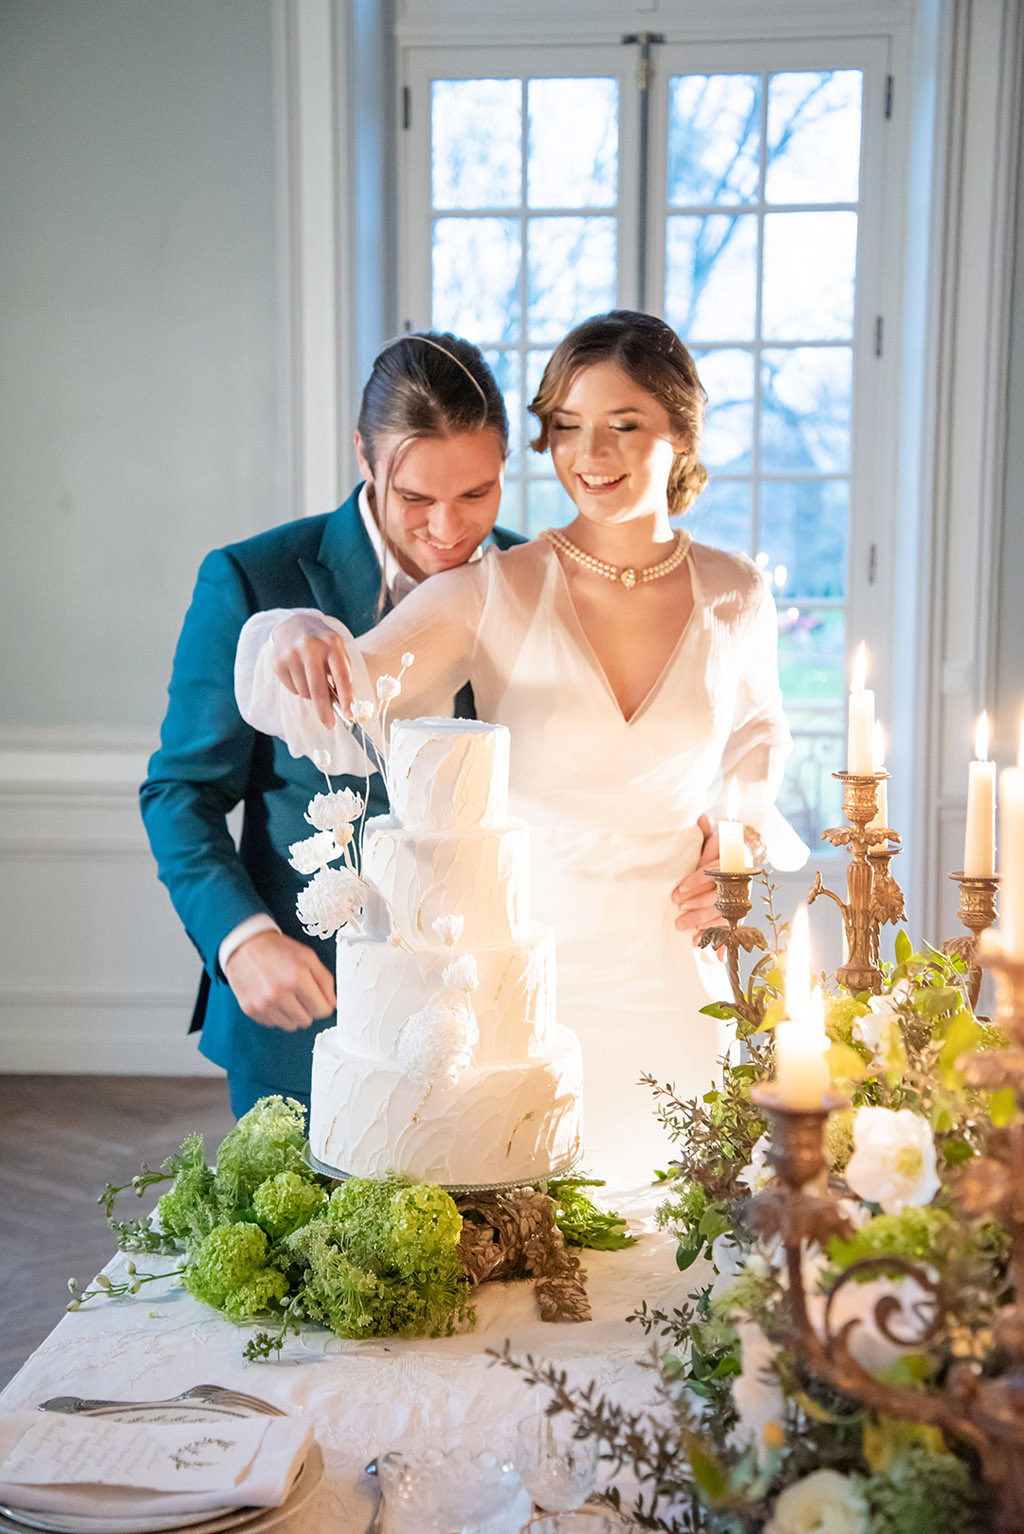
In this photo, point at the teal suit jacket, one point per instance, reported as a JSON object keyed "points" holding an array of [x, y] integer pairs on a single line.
{"points": [[210, 760]]}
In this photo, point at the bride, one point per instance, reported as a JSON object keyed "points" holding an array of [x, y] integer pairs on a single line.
{"points": [[636, 671]]}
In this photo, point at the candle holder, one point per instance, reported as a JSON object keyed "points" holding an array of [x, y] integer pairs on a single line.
{"points": [[977, 912], [984, 1410], [732, 899], [873, 896]]}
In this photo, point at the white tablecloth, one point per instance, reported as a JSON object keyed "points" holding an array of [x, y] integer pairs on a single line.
{"points": [[367, 1397]]}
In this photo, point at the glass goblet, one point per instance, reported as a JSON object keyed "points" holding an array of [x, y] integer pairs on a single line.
{"points": [[558, 1469]]}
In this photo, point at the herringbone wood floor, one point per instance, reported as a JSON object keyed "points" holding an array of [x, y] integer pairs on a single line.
{"points": [[62, 1139]]}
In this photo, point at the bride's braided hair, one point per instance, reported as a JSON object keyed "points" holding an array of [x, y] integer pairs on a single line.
{"points": [[655, 358]]}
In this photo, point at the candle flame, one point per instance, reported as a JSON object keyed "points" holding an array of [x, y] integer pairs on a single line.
{"points": [[981, 738], [798, 968], [878, 745], [860, 668], [731, 801]]}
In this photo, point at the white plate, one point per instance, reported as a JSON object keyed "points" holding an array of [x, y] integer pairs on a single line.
{"points": [[203, 1404]]}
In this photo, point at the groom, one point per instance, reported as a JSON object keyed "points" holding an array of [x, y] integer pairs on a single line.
{"points": [[432, 442]]}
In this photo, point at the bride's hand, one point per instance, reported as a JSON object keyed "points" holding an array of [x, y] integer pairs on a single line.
{"points": [[695, 895], [310, 659]]}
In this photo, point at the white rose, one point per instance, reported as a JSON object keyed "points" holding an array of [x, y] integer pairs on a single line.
{"points": [[759, 1173], [893, 1162], [388, 688], [313, 853], [824, 1502], [756, 1393]]}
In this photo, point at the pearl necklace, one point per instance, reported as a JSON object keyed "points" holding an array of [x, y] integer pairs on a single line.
{"points": [[627, 575]]}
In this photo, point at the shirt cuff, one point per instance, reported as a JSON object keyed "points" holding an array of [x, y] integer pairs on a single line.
{"points": [[261, 922]]}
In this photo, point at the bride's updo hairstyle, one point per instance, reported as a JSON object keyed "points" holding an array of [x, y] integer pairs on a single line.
{"points": [[429, 384], [653, 356]]}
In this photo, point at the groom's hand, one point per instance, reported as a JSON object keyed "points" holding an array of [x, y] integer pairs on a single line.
{"points": [[280, 982], [695, 895]]}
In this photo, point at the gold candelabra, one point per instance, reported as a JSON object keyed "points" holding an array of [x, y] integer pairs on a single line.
{"points": [[977, 911], [983, 1410], [732, 899], [873, 896]]}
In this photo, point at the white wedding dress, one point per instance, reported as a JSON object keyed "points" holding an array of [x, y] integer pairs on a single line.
{"points": [[612, 803]]}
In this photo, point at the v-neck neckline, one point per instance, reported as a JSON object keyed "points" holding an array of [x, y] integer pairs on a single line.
{"points": [[591, 655]]}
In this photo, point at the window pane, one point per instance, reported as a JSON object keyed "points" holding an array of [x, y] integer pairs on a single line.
{"points": [[810, 797], [728, 379], [714, 138], [803, 530], [476, 134], [809, 268], [476, 277], [547, 505], [805, 409], [573, 143], [814, 137], [570, 265], [721, 515], [505, 366], [711, 277]]}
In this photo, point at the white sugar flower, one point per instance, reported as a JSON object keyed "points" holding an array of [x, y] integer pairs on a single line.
{"points": [[322, 761], [388, 688], [824, 1502], [330, 900], [436, 1043], [893, 1161], [313, 853], [756, 1392], [335, 812], [361, 709], [460, 974], [449, 929], [408, 658], [759, 1173]]}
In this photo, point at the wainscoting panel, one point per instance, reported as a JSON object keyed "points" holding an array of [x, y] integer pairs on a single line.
{"points": [[96, 974]]}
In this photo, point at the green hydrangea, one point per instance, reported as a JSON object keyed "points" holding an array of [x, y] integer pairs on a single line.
{"points": [[232, 1269], [924, 1491], [286, 1201], [270, 1138], [191, 1209]]}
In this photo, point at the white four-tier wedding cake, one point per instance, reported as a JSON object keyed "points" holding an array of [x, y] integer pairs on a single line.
{"points": [[447, 1063]]}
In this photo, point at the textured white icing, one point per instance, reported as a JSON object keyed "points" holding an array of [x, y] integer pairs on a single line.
{"points": [[381, 984], [499, 1123], [448, 774], [478, 875]]}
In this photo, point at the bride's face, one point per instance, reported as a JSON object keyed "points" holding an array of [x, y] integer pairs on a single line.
{"points": [[612, 445]]}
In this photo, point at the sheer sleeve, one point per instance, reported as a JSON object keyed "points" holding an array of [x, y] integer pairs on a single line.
{"points": [[759, 742], [438, 625]]}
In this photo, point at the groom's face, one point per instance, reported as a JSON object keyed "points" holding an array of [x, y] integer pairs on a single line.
{"points": [[435, 498]]}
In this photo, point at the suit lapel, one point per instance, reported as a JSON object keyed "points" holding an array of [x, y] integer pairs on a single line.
{"points": [[345, 575]]}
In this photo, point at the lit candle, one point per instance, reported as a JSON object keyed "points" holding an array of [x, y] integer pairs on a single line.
{"points": [[980, 835], [881, 817], [801, 1070], [732, 851], [1011, 837], [860, 747]]}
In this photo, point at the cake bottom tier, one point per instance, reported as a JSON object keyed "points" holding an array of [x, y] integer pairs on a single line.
{"points": [[498, 1123]]}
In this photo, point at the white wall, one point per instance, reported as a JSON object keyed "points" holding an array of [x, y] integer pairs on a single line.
{"points": [[145, 407]]}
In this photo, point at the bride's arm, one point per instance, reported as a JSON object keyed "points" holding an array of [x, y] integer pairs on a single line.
{"points": [[288, 660]]}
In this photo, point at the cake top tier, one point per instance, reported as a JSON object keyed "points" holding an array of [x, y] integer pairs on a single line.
{"points": [[448, 774]]}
